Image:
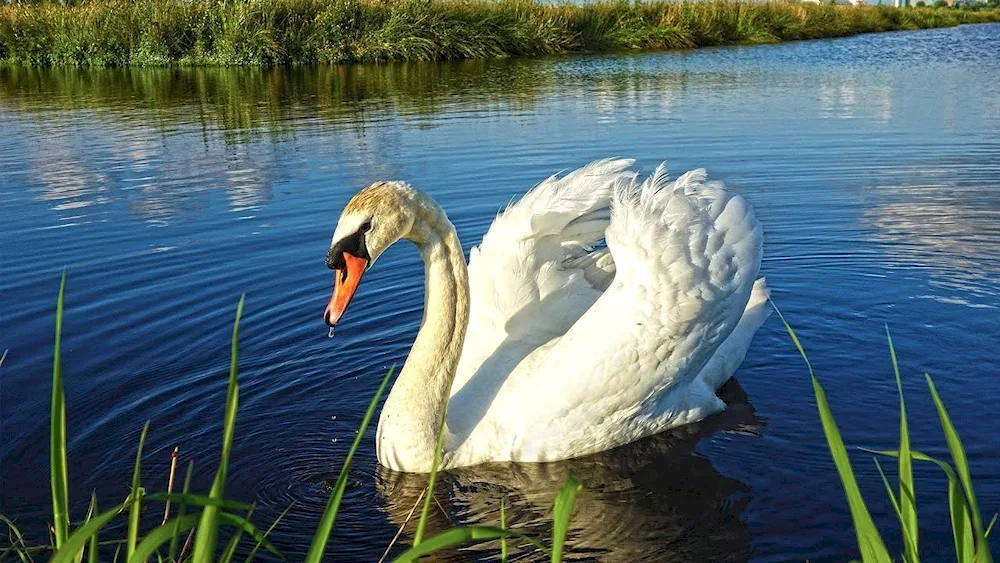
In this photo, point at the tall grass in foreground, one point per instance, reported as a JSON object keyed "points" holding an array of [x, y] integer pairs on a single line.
{"points": [[218, 514], [971, 539], [213, 514], [293, 32]]}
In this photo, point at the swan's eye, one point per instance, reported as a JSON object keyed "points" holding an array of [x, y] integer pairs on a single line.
{"points": [[353, 244]]}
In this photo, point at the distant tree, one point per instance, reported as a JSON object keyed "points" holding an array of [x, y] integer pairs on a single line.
{"points": [[921, 4], [940, 4]]}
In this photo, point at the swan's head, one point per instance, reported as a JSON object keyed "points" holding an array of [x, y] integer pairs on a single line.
{"points": [[374, 219]]}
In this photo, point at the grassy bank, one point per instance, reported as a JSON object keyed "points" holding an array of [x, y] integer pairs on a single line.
{"points": [[291, 32]]}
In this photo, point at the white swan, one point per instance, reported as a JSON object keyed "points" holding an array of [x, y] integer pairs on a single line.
{"points": [[546, 346]]}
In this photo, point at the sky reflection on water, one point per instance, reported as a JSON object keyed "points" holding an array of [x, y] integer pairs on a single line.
{"points": [[873, 163]]}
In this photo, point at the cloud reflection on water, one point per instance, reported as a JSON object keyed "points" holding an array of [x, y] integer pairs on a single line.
{"points": [[948, 229]]}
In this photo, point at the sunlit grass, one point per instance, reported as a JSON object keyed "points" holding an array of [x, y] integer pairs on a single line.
{"points": [[57, 433], [971, 539], [214, 514], [294, 32], [208, 525]]}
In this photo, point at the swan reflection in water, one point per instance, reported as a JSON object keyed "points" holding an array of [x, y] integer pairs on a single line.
{"points": [[652, 500]]}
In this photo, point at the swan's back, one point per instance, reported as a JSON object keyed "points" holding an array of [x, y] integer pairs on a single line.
{"points": [[573, 347]]}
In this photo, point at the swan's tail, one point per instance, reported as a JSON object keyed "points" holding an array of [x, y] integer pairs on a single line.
{"points": [[733, 349], [759, 296]]}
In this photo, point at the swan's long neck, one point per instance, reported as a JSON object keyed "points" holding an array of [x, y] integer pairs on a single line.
{"points": [[408, 426]]}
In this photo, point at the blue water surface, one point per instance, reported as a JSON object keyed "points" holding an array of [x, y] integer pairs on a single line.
{"points": [[873, 163]]}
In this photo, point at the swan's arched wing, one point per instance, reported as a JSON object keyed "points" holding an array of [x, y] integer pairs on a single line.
{"points": [[536, 270], [687, 254]]}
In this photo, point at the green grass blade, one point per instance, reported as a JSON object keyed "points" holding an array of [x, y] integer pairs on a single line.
{"points": [[431, 479], [562, 509], [20, 551], [458, 536], [908, 538], [230, 550], [325, 528], [982, 551], [200, 500], [57, 433], [960, 526], [274, 524], [990, 527], [92, 548], [907, 493], [888, 489], [90, 513], [172, 551], [503, 524], [135, 506], [79, 538], [208, 527], [161, 535], [869, 541], [22, 554], [13, 528], [245, 526]]}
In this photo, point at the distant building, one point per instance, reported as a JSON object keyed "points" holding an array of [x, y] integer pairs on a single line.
{"points": [[915, 3]]}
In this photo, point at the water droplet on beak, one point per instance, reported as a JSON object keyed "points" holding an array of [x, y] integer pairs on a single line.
{"points": [[330, 334]]}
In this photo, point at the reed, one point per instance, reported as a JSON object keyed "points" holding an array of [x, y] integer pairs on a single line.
{"points": [[214, 515], [970, 536], [219, 515], [305, 32]]}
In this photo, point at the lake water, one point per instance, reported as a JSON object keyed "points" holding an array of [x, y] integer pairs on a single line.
{"points": [[873, 163]]}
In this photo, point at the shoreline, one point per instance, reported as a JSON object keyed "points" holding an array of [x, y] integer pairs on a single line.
{"points": [[270, 33]]}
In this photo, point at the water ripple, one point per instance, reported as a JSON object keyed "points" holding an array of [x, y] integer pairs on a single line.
{"points": [[872, 162]]}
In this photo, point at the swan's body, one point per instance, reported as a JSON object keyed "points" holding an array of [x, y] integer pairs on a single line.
{"points": [[545, 347]]}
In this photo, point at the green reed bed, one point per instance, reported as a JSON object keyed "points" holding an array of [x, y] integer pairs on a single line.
{"points": [[209, 527], [971, 537], [293, 32]]}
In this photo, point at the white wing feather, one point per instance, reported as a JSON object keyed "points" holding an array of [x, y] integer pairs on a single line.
{"points": [[536, 271], [572, 350]]}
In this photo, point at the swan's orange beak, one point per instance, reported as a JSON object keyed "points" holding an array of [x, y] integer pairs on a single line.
{"points": [[344, 286]]}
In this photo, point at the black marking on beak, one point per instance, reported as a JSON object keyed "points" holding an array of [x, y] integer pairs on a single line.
{"points": [[353, 244]]}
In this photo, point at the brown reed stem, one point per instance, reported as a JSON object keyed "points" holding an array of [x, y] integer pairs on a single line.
{"points": [[401, 526], [170, 482]]}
